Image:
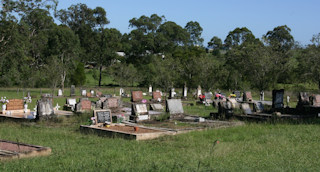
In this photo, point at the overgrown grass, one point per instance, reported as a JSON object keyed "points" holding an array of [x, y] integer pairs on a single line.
{"points": [[254, 147]]}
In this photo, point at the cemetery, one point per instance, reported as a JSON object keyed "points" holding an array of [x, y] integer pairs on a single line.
{"points": [[91, 86]]}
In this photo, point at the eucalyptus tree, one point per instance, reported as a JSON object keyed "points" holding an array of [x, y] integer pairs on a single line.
{"points": [[195, 30]]}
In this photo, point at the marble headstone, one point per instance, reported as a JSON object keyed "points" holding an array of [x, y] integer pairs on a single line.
{"points": [[157, 107], [45, 108], [246, 108], [84, 92]]}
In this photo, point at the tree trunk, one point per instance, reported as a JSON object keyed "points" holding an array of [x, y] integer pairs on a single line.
{"points": [[63, 78], [100, 75]]}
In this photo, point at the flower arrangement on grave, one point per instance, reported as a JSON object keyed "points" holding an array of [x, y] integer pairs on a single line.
{"points": [[27, 100], [120, 118], [92, 121], [4, 100]]}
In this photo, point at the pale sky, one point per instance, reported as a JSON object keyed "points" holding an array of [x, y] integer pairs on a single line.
{"points": [[217, 17]]}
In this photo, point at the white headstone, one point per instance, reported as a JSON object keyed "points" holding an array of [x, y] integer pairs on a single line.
{"points": [[185, 91], [262, 96], [121, 91], [150, 89], [72, 101], [199, 91], [59, 92], [92, 92], [173, 93], [141, 109], [84, 92]]}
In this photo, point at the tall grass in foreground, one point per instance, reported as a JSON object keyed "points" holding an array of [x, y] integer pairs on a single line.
{"points": [[253, 147]]}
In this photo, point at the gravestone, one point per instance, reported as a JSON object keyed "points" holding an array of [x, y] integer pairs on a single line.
{"points": [[136, 96], [199, 91], [156, 96], [60, 93], [45, 108], [185, 91], [277, 98], [92, 92], [247, 96], [102, 116], [28, 94], [71, 103], [262, 96], [88, 95], [73, 90], [258, 106], [303, 99], [234, 103], [83, 105], [156, 107], [139, 109], [99, 104], [15, 104], [84, 92], [98, 93], [111, 103], [172, 93], [237, 93], [246, 108], [174, 106], [315, 100], [150, 89], [121, 91]]}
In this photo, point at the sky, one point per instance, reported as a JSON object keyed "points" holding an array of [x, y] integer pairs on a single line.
{"points": [[217, 17]]}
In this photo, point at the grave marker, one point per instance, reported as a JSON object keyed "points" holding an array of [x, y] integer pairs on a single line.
{"points": [[136, 96], [72, 90], [150, 89], [247, 96], [199, 91], [237, 93], [102, 116], [174, 106], [277, 98], [156, 96], [185, 91], [83, 92], [60, 93], [45, 108], [111, 103], [246, 108]]}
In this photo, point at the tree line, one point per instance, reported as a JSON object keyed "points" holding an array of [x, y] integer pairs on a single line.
{"points": [[35, 51]]}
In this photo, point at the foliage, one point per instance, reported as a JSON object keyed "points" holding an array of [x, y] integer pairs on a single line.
{"points": [[79, 77]]}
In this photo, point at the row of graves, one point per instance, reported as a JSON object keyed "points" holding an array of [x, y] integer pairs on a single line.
{"points": [[246, 107]]}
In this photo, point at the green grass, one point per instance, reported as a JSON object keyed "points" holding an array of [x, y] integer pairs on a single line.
{"points": [[254, 147]]}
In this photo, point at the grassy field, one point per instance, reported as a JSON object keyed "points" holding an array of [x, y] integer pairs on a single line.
{"points": [[253, 147]]}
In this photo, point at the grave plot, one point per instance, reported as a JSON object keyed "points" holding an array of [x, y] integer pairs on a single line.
{"points": [[14, 150], [17, 109], [103, 126]]}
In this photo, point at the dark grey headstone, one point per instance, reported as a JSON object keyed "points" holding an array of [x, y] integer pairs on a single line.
{"points": [[174, 106], [73, 90], [208, 95], [277, 98]]}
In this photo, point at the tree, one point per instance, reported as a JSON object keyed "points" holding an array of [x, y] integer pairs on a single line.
{"points": [[279, 38], [195, 31], [79, 77], [65, 46], [239, 36], [216, 44]]}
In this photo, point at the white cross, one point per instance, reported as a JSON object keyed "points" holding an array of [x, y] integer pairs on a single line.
{"points": [[57, 107]]}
